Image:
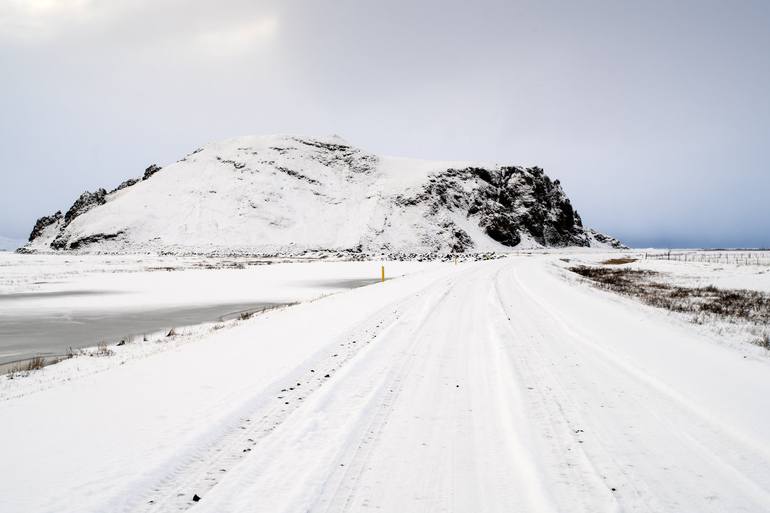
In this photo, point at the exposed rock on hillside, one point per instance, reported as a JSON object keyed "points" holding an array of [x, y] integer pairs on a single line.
{"points": [[43, 223], [84, 203], [150, 171], [508, 202]]}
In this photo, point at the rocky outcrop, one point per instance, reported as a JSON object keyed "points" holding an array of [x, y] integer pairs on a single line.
{"points": [[606, 239], [43, 223], [125, 184], [92, 239], [84, 203], [509, 203], [154, 168], [148, 172]]}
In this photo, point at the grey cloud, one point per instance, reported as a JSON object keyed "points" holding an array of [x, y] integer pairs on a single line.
{"points": [[654, 115]]}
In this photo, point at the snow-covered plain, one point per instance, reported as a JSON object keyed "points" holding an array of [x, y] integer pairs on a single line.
{"points": [[503, 385], [719, 268]]}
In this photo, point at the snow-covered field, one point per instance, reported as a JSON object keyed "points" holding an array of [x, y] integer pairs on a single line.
{"points": [[725, 269], [505, 385]]}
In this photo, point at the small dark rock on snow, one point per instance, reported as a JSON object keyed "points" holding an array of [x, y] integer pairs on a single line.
{"points": [[154, 168]]}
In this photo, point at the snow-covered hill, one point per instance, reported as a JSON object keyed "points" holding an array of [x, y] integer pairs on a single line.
{"points": [[284, 194]]}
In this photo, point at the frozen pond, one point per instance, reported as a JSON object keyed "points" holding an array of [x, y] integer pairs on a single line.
{"points": [[46, 331], [49, 304], [51, 333]]}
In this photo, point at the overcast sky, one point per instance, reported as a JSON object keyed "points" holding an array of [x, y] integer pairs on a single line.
{"points": [[654, 115]]}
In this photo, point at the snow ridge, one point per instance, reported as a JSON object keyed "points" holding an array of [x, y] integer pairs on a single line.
{"points": [[287, 194]]}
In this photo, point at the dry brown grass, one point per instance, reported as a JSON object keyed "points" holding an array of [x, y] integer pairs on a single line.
{"points": [[102, 349], [619, 261], [726, 304], [763, 341], [26, 367], [34, 363]]}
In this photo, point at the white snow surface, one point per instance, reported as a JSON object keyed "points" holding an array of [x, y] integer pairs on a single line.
{"points": [[265, 194], [126, 282], [469, 387]]}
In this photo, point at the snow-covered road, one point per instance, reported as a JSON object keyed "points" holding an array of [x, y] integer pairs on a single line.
{"points": [[489, 386]]}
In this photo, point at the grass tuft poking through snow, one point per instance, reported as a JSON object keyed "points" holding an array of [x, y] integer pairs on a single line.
{"points": [[102, 349], [35, 363], [23, 369], [763, 341]]}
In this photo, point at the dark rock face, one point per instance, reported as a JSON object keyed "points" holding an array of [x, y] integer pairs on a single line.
{"points": [[500, 228], [85, 241], [43, 223], [508, 203], [297, 175], [462, 241], [60, 242], [84, 203], [127, 183], [342, 155], [154, 168], [606, 239]]}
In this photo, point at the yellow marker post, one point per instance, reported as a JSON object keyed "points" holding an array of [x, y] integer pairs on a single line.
{"points": [[382, 269]]}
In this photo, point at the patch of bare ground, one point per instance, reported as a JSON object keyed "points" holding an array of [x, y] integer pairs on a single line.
{"points": [[702, 303], [619, 261]]}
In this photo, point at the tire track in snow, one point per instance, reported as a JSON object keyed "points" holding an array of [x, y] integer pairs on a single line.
{"points": [[648, 433], [304, 466], [512, 477], [343, 485], [556, 417], [199, 473]]}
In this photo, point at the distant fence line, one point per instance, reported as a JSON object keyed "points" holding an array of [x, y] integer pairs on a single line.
{"points": [[714, 257]]}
